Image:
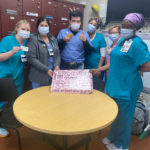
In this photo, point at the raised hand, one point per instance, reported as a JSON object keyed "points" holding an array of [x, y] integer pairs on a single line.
{"points": [[82, 37]]}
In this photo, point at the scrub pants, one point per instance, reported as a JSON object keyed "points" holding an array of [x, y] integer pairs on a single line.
{"points": [[120, 131]]}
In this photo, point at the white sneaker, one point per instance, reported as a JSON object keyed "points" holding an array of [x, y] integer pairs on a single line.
{"points": [[113, 147], [106, 141], [3, 132]]}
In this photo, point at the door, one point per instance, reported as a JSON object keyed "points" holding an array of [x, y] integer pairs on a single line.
{"points": [[50, 8], [33, 21], [64, 9], [53, 27], [32, 8], [8, 23], [62, 25], [11, 6], [63, 13]]}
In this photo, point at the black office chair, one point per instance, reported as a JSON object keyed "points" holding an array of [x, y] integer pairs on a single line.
{"points": [[98, 84], [7, 119]]}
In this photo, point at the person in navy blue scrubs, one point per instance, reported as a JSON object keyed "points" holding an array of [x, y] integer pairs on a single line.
{"points": [[124, 82], [73, 42]]}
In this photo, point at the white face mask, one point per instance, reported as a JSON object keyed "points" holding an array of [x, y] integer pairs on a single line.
{"points": [[24, 34], [91, 28], [126, 33], [114, 37], [75, 26], [43, 30]]}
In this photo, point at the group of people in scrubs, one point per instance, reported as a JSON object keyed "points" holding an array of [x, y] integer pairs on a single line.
{"points": [[76, 49]]}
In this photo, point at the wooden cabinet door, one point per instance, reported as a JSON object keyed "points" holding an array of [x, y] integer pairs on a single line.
{"points": [[11, 6], [8, 23], [53, 27], [33, 21], [32, 8], [63, 11], [50, 8], [62, 25]]}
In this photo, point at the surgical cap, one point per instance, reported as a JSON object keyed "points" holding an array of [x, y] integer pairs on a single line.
{"points": [[136, 18]]}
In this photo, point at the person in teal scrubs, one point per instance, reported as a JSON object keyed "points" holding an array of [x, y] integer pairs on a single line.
{"points": [[114, 35], [124, 82], [96, 57], [12, 59]]}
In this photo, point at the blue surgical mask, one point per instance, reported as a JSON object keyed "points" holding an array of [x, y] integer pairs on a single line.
{"points": [[43, 30], [75, 26], [24, 34], [114, 37], [126, 33], [91, 28]]}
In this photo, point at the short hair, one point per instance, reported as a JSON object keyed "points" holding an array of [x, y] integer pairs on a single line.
{"points": [[75, 13], [41, 19], [114, 26], [97, 20], [20, 22]]}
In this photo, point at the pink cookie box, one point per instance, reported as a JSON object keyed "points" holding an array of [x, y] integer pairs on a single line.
{"points": [[72, 81]]}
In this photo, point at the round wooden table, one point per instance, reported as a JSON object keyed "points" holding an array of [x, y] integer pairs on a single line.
{"points": [[63, 113]]}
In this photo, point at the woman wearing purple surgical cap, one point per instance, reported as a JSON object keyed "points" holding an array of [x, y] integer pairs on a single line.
{"points": [[124, 82]]}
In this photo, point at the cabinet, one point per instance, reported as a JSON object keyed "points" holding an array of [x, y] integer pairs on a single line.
{"points": [[53, 27], [32, 8], [32, 21], [50, 8], [8, 22], [63, 13], [56, 11], [11, 6]]}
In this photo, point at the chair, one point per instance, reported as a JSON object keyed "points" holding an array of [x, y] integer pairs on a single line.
{"points": [[7, 119], [98, 84]]}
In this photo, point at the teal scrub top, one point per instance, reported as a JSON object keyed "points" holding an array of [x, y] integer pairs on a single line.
{"points": [[124, 79], [92, 60], [13, 67]]}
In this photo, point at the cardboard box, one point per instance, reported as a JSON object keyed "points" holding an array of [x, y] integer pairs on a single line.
{"points": [[72, 81]]}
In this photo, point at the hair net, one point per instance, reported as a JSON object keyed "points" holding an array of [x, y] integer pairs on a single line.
{"points": [[136, 18]]}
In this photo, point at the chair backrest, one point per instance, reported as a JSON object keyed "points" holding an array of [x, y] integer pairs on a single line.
{"points": [[98, 84], [7, 89]]}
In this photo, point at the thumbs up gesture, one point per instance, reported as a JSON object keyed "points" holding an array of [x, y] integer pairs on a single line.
{"points": [[82, 37]]}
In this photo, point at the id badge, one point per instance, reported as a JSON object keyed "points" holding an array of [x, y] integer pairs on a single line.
{"points": [[126, 46], [23, 58], [51, 52], [24, 48]]}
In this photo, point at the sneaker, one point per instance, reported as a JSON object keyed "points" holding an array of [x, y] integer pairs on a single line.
{"points": [[106, 141], [113, 147], [3, 132]]}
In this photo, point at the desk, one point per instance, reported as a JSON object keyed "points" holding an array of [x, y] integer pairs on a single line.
{"points": [[64, 114]]}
